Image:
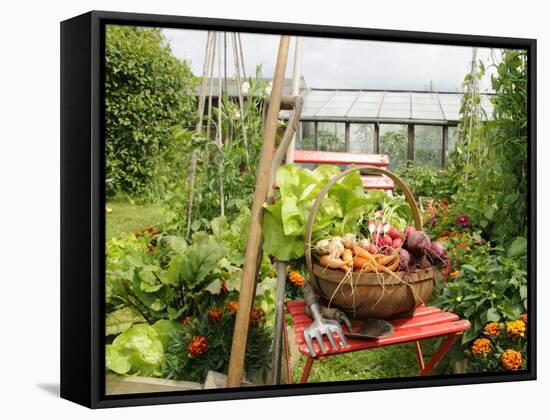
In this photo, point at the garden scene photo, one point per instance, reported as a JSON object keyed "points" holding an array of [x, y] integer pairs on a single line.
{"points": [[392, 219]]}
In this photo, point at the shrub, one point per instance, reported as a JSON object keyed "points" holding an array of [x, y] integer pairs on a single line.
{"points": [[148, 92]]}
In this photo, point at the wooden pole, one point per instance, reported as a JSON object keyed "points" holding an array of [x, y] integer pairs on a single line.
{"points": [[296, 77], [246, 294]]}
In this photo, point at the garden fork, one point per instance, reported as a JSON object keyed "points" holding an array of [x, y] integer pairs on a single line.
{"points": [[320, 326]]}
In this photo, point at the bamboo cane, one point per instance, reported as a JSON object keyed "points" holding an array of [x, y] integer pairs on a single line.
{"points": [[246, 294]]}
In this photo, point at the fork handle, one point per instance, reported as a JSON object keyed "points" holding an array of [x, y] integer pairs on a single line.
{"points": [[309, 295]]}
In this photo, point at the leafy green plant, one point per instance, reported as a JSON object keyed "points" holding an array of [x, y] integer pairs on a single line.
{"points": [[491, 286], [140, 349], [148, 92]]}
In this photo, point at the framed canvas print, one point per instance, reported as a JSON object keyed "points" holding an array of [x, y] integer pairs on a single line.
{"points": [[255, 209]]}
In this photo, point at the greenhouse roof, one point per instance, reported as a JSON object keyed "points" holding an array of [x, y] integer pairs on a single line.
{"points": [[399, 107]]}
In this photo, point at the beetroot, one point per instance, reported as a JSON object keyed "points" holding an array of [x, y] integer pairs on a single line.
{"points": [[404, 260], [418, 243], [409, 230], [437, 253], [438, 249]]}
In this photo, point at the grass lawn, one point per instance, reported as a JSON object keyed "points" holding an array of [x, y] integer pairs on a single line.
{"points": [[387, 362], [127, 217]]}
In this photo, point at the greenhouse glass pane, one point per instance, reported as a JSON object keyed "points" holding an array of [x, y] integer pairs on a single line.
{"points": [[428, 145], [331, 137], [306, 136], [361, 138], [452, 140], [393, 142]]}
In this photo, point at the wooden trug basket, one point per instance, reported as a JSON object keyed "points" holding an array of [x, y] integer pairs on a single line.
{"points": [[372, 295]]}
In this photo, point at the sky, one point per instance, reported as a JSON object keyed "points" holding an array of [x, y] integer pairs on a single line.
{"points": [[345, 64]]}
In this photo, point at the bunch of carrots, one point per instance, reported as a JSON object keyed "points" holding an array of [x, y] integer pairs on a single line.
{"points": [[347, 254]]}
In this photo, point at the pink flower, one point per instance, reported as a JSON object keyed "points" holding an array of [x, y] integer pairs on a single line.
{"points": [[463, 220]]}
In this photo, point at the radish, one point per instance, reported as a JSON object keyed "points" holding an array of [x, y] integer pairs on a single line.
{"points": [[386, 240], [394, 233], [373, 249], [397, 243]]}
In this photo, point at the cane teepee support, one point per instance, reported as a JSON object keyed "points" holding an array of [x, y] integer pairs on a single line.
{"points": [[248, 282]]}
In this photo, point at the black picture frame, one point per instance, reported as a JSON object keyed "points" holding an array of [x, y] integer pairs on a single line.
{"points": [[83, 204]]}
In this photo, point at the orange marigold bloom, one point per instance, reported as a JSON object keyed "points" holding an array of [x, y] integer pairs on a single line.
{"points": [[187, 320], [492, 328], [455, 274], [463, 245], [197, 346], [511, 359], [515, 329], [257, 316], [481, 346], [215, 315], [232, 306], [523, 317], [296, 278]]}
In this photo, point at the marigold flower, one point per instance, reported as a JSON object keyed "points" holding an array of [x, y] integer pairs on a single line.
{"points": [[515, 329], [523, 317], [232, 307], [296, 278], [463, 220], [187, 320], [215, 315], [197, 346], [463, 245], [455, 274], [481, 346], [257, 316], [223, 289], [492, 328], [511, 359]]}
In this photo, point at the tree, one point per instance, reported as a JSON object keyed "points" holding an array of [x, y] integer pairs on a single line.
{"points": [[148, 92]]}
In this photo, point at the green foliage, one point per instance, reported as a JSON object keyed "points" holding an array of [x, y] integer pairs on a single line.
{"points": [[491, 157], [218, 334], [394, 144], [491, 287], [147, 94], [232, 165], [140, 349], [426, 181], [165, 281]]}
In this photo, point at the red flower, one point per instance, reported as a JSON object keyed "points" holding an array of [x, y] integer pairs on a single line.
{"points": [[197, 346], [187, 320], [257, 316], [223, 289], [215, 315]]}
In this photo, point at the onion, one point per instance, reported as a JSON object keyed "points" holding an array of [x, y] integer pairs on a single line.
{"points": [[364, 243], [322, 247], [349, 241], [336, 248]]}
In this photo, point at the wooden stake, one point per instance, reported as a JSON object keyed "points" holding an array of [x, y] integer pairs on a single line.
{"points": [[246, 294]]}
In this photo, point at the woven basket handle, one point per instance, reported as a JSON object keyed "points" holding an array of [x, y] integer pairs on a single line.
{"points": [[318, 200]]}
